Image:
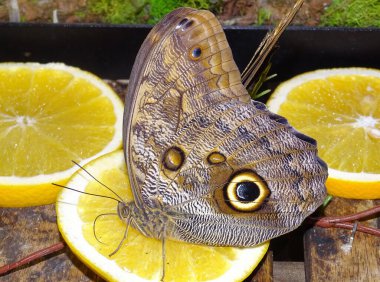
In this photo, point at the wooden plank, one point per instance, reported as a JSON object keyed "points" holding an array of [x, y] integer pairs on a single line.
{"points": [[26, 230], [328, 256], [289, 271]]}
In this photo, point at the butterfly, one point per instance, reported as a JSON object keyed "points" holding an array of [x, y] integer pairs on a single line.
{"points": [[207, 164]]}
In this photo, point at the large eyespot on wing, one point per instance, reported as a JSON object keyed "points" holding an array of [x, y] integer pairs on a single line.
{"points": [[245, 191]]}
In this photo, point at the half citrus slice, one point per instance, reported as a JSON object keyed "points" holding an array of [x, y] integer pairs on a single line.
{"points": [[340, 108], [82, 217], [51, 114]]}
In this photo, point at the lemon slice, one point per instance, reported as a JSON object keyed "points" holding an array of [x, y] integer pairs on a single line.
{"points": [[51, 114], [139, 258], [340, 108]]}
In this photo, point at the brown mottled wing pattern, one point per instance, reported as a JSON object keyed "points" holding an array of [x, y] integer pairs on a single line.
{"points": [[185, 92]]}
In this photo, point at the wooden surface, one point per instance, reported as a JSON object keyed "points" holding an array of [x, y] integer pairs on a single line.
{"points": [[288, 271], [327, 253], [23, 231], [26, 230]]}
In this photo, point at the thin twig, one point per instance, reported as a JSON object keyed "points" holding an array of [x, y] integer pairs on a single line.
{"points": [[349, 226], [354, 216], [347, 221], [36, 255]]}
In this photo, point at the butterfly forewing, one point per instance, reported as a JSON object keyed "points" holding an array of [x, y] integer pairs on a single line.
{"points": [[220, 168]]}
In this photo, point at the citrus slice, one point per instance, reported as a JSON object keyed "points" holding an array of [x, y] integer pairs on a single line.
{"points": [[139, 258], [340, 108], [51, 114]]}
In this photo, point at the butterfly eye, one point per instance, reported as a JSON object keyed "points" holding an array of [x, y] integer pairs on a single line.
{"points": [[173, 158], [196, 53], [122, 210], [246, 191]]}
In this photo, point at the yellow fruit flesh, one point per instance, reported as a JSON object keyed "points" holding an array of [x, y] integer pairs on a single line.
{"points": [[50, 115], [47, 119], [185, 262], [343, 114]]}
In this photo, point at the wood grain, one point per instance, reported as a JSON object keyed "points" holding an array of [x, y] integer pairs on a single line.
{"points": [[326, 256], [289, 271], [26, 230], [264, 271]]}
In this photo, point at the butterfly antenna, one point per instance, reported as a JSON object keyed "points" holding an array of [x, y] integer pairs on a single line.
{"points": [[87, 193], [267, 44], [94, 225], [129, 219], [101, 183]]}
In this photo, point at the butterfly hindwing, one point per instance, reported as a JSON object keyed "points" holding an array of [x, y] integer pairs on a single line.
{"points": [[221, 168]]}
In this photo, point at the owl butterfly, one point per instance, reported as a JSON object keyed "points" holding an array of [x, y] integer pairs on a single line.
{"points": [[207, 164]]}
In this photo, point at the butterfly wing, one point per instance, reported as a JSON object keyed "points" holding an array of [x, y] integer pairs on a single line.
{"points": [[220, 167]]}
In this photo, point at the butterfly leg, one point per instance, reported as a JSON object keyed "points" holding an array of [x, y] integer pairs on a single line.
{"points": [[124, 237]]}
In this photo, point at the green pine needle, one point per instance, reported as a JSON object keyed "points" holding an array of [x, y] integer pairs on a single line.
{"points": [[327, 201], [254, 93]]}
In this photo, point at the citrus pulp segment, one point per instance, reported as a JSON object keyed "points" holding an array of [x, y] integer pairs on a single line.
{"points": [[139, 258], [340, 108], [51, 115]]}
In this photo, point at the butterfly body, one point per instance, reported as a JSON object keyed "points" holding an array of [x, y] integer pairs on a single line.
{"points": [[207, 164]]}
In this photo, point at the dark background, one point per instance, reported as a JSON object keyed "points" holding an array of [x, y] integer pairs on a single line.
{"points": [[109, 51]]}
